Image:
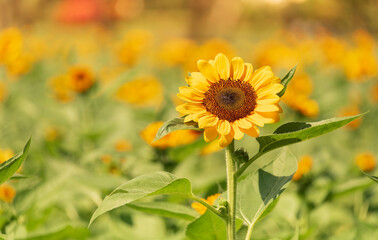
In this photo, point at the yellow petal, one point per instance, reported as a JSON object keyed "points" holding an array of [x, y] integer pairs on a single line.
{"points": [[256, 119], [248, 71], [224, 127], [272, 88], [253, 131], [243, 123], [238, 133], [260, 76], [210, 134], [272, 117], [224, 140], [222, 65], [272, 100], [208, 71], [190, 99], [207, 121], [187, 108], [198, 82], [267, 108], [237, 68]]}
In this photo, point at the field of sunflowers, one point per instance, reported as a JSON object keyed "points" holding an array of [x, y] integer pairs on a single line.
{"points": [[90, 82]]}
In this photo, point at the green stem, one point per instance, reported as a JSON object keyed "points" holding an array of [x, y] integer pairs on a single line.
{"points": [[208, 206], [250, 229], [239, 172], [231, 191]]}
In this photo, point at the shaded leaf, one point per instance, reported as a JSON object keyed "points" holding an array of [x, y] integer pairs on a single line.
{"points": [[173, 125], [258, 190], [144, 186], [374, 178], [10, 167], [294, 132], [67, 232], [285, 80], [165, 209]]}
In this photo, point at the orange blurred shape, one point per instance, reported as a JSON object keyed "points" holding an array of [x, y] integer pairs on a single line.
{"points": [[210, 200], [304, 167], [79, 11], [7, 193], [365, 161]]}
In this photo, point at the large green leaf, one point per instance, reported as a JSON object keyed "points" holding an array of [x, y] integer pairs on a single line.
{"points": [[67, 232], [209, 227], [173, 125], [10, 167], [165, 209], [294, 132], [259, 189], [144, 186], [285, 80]]}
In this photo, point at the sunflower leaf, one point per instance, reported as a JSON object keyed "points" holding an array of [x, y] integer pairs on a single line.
{"points": [[259, 190], [10, 167], [144, 186], [295, 132], [285, 80], [173, 125]]}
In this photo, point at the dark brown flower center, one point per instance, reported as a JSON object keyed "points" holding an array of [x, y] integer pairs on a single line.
{"points": [[230, 99]]}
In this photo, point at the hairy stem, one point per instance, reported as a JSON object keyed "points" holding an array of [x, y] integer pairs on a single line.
{"points": [[231, 192], [208, 206]]}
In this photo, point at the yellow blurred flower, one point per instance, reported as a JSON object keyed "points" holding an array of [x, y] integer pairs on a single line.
{"points": [[178, 52], [276, 54], [351, 110], [304, 167], [174, 139], [363, 39], [211, 148], [365, 161], [133, 45], [80, 79], [210, 200], [334, 49], [5, 154], [359, 65], [11, 44], [106, 158], [3, 91], [20, 65], [51, 133], [297, 96], [7, 193], [142, 91], [374, 93], [61, 89], [122, 145]]}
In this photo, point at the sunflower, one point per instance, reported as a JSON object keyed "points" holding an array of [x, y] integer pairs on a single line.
{"points": [[230, 99]]}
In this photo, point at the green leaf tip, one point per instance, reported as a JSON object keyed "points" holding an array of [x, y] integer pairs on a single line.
{"points": [[294, 132], [10, 167], [174, 125], [285, 80]]}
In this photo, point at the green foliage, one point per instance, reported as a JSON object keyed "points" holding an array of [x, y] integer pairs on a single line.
{"points": [[207, 227], [165, 209], [63, 233], [144, 186], [259, 189], [10, 167], [285, 80], [295, 132], [173, 125]]}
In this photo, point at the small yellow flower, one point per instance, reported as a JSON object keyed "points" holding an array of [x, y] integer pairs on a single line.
{"points": [[142, 92], [11, 44], [106, 158], [365, 161], [122, 145], [174, 139], [51, 133], [5, 154], [134, 44], [61, 89], [210, 200], [21, 65], [304, 167], [80, 79], [360, 64], [7, 193], [228, 99], [178, 51]]}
